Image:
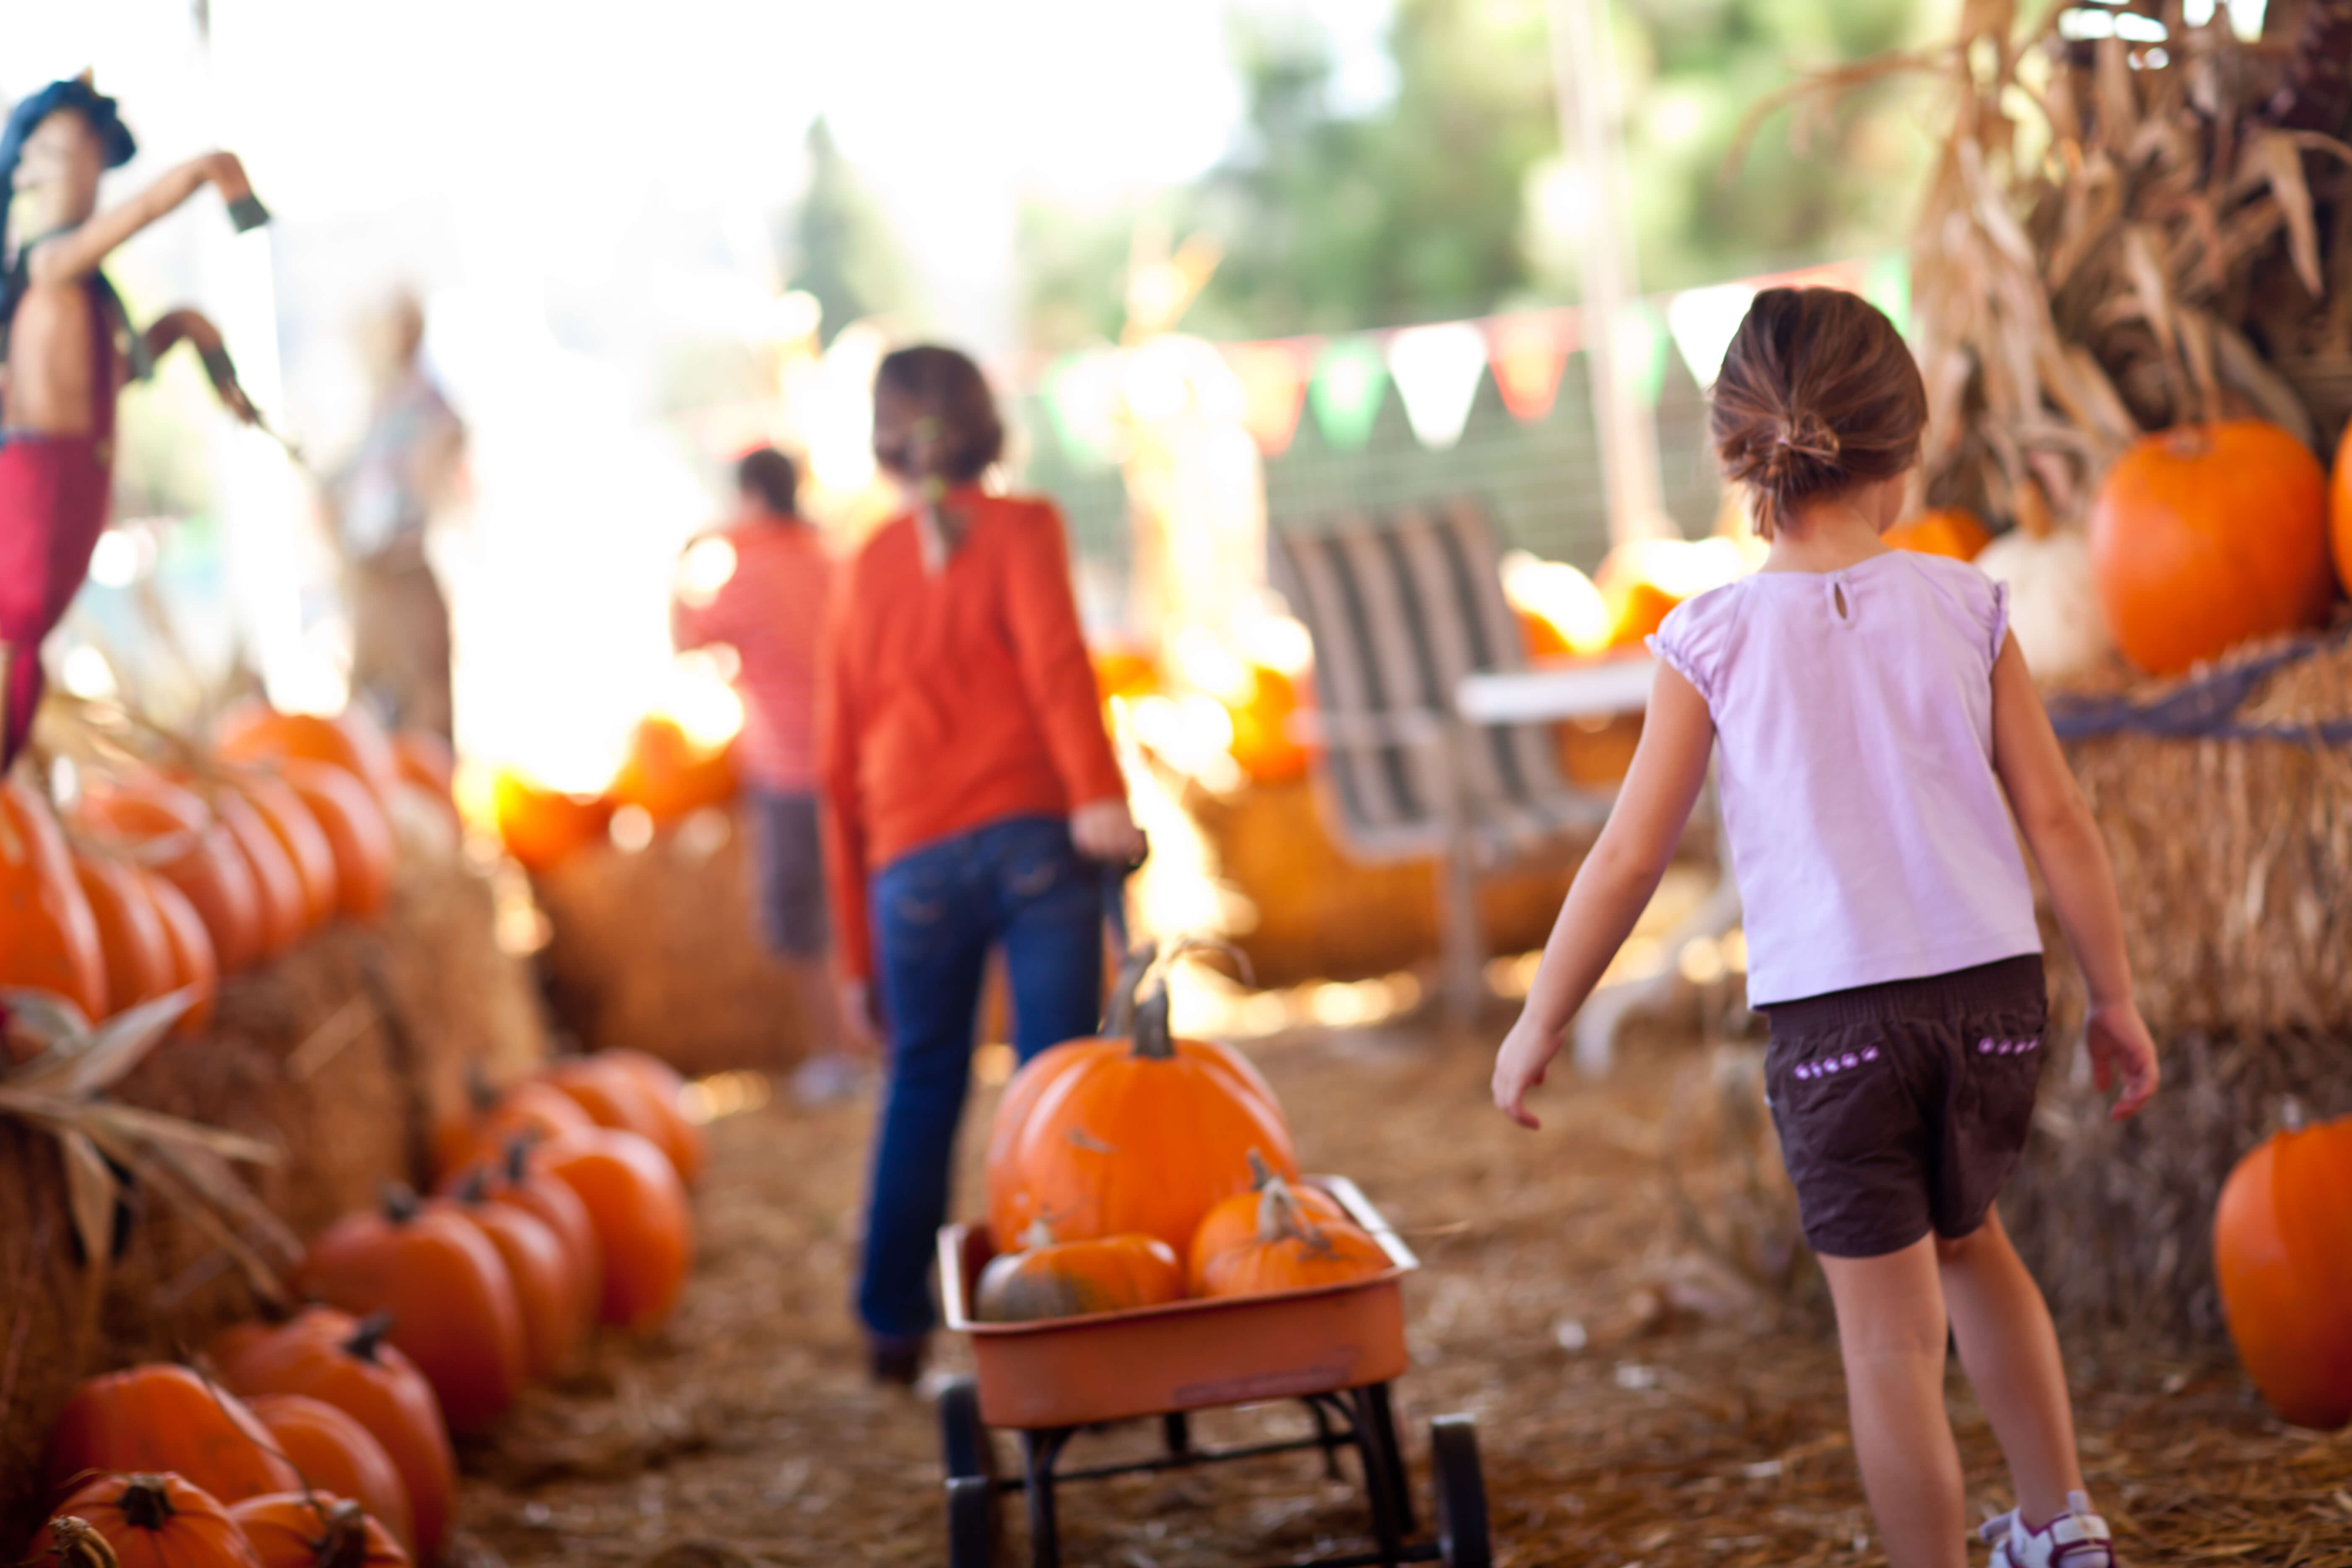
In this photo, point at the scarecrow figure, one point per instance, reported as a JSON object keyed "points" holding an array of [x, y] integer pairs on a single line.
{"points": [[66, 348]]}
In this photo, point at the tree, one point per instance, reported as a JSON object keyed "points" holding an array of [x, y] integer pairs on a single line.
{"points": [[841, 247]]}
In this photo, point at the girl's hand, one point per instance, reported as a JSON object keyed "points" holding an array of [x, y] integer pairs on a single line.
{"points": [[226, 175], [1103, 830], [861, 1031], [2120, 1046], [1521, 1064]]}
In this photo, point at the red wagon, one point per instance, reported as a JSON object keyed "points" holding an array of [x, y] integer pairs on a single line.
{"points": [[1335, 1348]]}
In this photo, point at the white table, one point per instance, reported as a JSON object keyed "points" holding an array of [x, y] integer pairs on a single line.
{"points": [[1600, 689]]}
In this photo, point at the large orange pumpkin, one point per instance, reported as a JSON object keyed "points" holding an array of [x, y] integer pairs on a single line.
{"points": [[545, 1275], [643, 1229], [335, 1454], [162, 1417], [667, 774], [1235, 1221], [1049, 1279], [298, 832], [281, 898], [536, 1112], [359, 833], [2207, 535], [2283, 1253], [337, 1360], [174, 834], [681, 1139], [160, 1521], [453, 1306], [352, 741], [543, 827], [1946, 531], [316, 1529], [130, 933], [194, 965], [1141, 1135], [49, 939], [1289, 1252]]}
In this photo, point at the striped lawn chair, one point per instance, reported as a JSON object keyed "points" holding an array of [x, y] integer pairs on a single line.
{"points": [[1400, 608]]}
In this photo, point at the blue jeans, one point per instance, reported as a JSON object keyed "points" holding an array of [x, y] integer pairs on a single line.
{"points": [[935, 912]]}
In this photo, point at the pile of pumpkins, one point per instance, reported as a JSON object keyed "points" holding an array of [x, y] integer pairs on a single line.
{"points": [[666, 773], [168, 875], [1135, 1170], [324, 1441]]}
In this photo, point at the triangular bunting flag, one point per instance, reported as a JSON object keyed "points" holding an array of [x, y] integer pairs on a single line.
{"points": [[1349, 381], [1437, 370], [1526, 354], [1888, 287], [1274, 386], [1639, 340], [1704, 321]]}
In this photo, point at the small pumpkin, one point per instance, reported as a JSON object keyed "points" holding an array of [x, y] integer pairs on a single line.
{"points": [[1049, 1279], [130, 934], [613, 1096], [316, 1529], [169, 830], [281, 899], [643, 1229], [49, 939], [1289, 1252], [2205, 536], [352, 740], [1235, 1221], [1948, 531], [2282, 1254], [338, 1359], [2054, 595], [163, 1417], [146, 1521], [359, 833], [335, 1454], [545, 1275], [668, 774], [1263, 743], [535, 1111], [554, 1204], [194, 965], [453, 1306], [298, 832], [543, 827], [682, 1140], [1108, 1137]]}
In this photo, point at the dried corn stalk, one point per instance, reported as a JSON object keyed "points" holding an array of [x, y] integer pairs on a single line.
{"points": [[2117, 237]]}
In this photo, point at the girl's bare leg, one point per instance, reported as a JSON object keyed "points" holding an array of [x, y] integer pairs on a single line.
{"points": [[1891, 1328], [2011, 1351]]}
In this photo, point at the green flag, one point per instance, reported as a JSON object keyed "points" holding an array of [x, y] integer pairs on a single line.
{"points": [[1350, 377]]}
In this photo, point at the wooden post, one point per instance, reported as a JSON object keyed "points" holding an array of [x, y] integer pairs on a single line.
{"points": [[1584, 74]]}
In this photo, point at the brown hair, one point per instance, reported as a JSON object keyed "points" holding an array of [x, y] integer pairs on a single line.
{"points": [[954, 433], [1818, 391], [770, 475]]}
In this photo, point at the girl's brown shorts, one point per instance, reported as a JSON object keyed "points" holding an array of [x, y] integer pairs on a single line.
{"points": [[1903, 1108]]}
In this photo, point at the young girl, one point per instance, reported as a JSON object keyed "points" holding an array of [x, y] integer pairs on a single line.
{"points": [[1879, 733], [970, 798]]}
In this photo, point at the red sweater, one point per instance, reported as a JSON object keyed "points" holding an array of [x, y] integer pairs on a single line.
{"points": [[953, 700], [771, 611]]}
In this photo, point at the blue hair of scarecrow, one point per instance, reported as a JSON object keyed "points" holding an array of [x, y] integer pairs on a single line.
{"points": [[105, 121]]}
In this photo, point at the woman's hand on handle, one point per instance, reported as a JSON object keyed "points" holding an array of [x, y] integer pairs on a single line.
{"points": [[2121, 1048], [1104, 830]]}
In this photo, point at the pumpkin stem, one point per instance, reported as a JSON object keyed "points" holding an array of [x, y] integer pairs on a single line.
{"points": [[1261, 1173], [146, 1502], [1154, 1040], [2034, 519], [1279, 1217], [76, 1543], [1118, 1022], [481, 1094], [345, 1543], [1039, 1233], [370, 1336], [400, 1203], [517, 1160], [475, 1189]]}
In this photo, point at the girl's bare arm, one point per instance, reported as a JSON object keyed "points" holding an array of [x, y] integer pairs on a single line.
{"points": [[2064, 839], [1614, 885], [78, 251]]}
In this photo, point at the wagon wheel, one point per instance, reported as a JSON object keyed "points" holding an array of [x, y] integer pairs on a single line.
{"points": [[972, 1522], [1462, 1540], [974, 1515]]}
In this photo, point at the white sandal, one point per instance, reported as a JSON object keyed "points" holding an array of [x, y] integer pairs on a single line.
{"points": [[2075, 1539]]}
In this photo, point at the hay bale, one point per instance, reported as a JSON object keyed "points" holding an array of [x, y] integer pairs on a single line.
{"points": [[657, 949], [337, 1055]]}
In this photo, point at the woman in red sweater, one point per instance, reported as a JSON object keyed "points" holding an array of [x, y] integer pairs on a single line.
{"points": [[971, 799]]}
